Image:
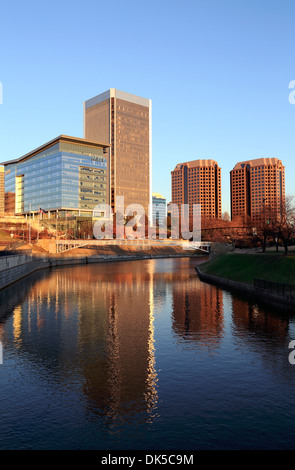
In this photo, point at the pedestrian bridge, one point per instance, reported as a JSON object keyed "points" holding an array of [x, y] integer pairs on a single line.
{"points": [[137, 244]]}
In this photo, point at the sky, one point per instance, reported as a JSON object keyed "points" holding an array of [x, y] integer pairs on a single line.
{"points": [[217, 72]]}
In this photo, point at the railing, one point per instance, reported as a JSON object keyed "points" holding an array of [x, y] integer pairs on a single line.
{"points": [[276, 287], [201, 246], [66, 245]]}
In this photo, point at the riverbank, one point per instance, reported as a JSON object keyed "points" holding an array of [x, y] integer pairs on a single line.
{"points": [[246, 267], [15, 267], [238, 271]]}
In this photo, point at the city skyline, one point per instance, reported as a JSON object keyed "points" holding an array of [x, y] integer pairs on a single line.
{"points": [[147, 239], [237, 105]]}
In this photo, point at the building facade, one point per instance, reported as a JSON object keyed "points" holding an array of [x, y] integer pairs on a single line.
{"points": [[256, 185], [67, 174], [198, 182], [159, 209], [125, 121]]}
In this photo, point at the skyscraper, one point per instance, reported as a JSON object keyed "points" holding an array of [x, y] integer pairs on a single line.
{"points": [[255, 185], [198, 182], [124, 120]]}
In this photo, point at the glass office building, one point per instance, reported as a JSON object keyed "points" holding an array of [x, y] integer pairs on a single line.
{"points": [[159, 209], [66, 174]]}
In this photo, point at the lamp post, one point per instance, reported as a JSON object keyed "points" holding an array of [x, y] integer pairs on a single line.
{"points": [[276, 241], [264, 226], [30, 226]]}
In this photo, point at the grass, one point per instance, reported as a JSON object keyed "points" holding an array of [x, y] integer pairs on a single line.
{"points": [[245, 267]]}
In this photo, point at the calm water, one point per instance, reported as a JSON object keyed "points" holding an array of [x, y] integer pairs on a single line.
{"points": [[142, 355]]}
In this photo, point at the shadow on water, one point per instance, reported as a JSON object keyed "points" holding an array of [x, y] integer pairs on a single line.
{"points": [[17, 292]]}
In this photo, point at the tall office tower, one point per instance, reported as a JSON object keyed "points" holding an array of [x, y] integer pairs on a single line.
{"points": [[2, 191], [198, 182], [124, 120], [256, 185]]}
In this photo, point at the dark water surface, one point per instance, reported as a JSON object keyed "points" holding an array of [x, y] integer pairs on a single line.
{"points": [[142, 355]]}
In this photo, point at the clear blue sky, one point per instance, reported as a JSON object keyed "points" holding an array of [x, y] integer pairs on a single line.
{"points": [[217, 73]]}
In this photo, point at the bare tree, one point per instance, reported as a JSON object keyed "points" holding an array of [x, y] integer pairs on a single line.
{"points": [[286, 226], [226, 216]]}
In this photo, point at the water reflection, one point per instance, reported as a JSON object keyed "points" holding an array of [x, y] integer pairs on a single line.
{"points": [[116, 330], [197, 311], [95, 335], [264, 331], [95, 323]]}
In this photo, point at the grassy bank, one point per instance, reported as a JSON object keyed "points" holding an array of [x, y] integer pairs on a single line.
{"points": [[245, 267]]}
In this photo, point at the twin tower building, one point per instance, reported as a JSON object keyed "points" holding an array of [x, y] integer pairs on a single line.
{"points": [[71, 176], [255, 185]]}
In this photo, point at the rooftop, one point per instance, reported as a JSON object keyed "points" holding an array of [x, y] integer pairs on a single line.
{"points": [[114, 93], [258, 162], [158, 196], [60, 138], [196, 163]]}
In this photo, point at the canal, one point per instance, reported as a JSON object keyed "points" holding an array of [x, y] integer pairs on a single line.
{"points": [[142, 355]]}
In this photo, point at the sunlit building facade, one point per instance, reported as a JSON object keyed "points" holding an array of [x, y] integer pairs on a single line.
{"points": [[198, 182], [67, 174], [125, 121], [257, 185]]}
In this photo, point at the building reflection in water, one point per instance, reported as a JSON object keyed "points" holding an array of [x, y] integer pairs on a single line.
{"points": [[116, 330], [197, 310], [263, 331], [91, 329], [97, 324]]}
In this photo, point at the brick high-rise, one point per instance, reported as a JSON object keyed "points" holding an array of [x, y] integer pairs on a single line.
{"points": [[256, 185], [124, 120], [198, 182]]}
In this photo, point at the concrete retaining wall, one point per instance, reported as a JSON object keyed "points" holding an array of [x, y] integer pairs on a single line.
{"points": [[13, 274], [13, 260], [262, 294]]}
